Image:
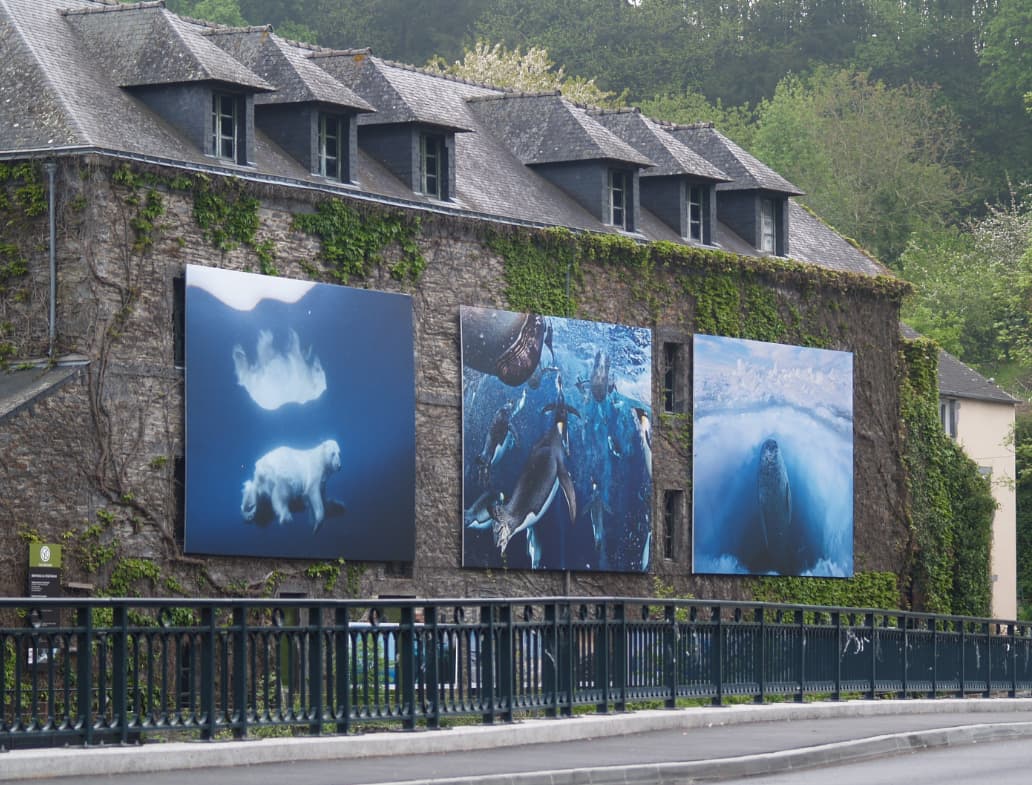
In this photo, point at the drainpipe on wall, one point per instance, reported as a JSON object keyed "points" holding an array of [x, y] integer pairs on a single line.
{"points": [[51, 170]]}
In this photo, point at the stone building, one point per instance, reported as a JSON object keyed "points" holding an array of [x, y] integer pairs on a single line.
{"points": [[134, 143]]}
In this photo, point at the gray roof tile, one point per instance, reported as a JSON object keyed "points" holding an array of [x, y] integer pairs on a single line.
{"points": [[669, 156], [401, 94], [285, 65], [546, 128], [746, 171], [811, 240], [144, 44]]}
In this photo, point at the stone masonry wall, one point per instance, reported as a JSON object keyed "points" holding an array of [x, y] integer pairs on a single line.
{"points": [[96, 464]]}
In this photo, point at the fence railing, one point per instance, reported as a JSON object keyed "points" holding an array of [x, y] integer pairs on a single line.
{"points": [[118, 670]]}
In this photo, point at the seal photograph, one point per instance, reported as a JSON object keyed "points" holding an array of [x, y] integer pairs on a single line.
{"points": [[772, 459]]}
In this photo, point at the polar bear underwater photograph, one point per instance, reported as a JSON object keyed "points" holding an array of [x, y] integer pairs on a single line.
{"points": [[300, 419]]}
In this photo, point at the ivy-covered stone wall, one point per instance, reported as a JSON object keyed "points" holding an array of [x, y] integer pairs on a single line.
{"points": [[101, 473]]}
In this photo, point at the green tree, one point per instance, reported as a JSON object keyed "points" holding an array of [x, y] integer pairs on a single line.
{"points": [[1023, 465], [876, 162], [224, 12]]}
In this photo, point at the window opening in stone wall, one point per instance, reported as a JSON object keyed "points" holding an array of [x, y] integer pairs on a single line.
{"points": [[431, 155], [179, 321], [673, 502], [224, 123], [672, 394], [618, 198], [695, 213], [332, 133]]}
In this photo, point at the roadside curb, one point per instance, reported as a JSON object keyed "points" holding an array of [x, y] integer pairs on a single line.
{"points": [[172, 756]]}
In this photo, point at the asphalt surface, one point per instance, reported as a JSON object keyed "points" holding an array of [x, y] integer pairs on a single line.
{"points": [[684, 745]]}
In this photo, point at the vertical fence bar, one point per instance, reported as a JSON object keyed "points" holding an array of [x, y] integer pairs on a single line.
{"points": [[873, 659], [760, 656], [935, 658], [85, 666], [988, 628], [904, 622], [488, 689], [963, 658], [836, 619], [240, 672], [1012, 643], [342, 662], [620, 656], [550, 676], [717, 656], [800, 620], [119, 667], [600, 654], [208, 646], [569, 660], [431, 651], [506, 657], [316, 644], [670, 655]]}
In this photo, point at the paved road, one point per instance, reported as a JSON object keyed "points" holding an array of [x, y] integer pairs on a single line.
{"points": [[680, 745], [998, 763]]}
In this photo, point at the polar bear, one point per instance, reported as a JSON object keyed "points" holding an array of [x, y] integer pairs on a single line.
{"points": [[287, 480]]}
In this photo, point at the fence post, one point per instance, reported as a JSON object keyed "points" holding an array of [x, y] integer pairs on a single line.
{"points": [[208, 672], [620, 656], [488, 687], [600, 653], [407, 662], [240, 671], [569, 673], [717, 656], [430, 651], [800, 621], [506, 658], [342, 663], [760, 663], [1013, 691], [935, 657], [85, 676], [670, 650], [550, 666], [963, 658], [119, 668], [904, 622], [836, 619], [316, 645], [988, 659], [872, 690]]}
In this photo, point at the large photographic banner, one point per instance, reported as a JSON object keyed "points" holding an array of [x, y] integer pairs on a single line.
{"points": [[773, 459], [300, 419], [556, 442]]}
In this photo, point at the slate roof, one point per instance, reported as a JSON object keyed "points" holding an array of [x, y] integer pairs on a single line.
{"points": [[400, 93], [746, 171], [60, 94], [668, 155], [957, 380], [545, 128], [286, 66], [22, 388], [144, 44]]}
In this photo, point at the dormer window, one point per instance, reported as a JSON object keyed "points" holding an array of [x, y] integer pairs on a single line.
{"points": [[224, 125], [431, 165], [768, 232], [695, 214], [619, 199], [333, 133]]}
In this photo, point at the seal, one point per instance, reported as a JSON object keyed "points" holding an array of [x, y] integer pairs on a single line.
{"points": [[774, 494]]}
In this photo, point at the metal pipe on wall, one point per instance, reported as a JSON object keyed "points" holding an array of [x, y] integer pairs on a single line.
{"points": [[51, 170]]}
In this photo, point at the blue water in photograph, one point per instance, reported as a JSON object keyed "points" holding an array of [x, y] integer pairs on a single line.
{"points": [[300, 419], [773, 459], [556, 442]]}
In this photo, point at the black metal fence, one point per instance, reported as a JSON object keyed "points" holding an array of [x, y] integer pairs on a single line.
{"points": [[124, 669]]}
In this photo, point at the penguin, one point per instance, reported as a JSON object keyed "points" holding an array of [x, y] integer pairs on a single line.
{"points": [[500, 436], [544, 474], [561, 412]]}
